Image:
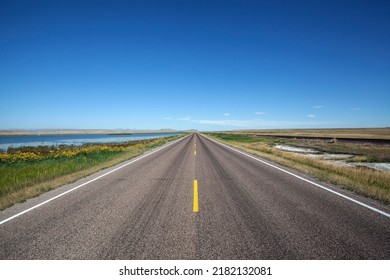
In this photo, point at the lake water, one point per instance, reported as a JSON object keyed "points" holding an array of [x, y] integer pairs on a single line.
{"points": [[73, 139]]}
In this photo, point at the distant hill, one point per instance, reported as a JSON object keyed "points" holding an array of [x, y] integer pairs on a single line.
{"points": [[83, 131]]}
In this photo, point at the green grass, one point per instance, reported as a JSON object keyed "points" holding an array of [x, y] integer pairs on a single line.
{"points": [[16, 176], [365, 181], [234, 137], [28, 172]]}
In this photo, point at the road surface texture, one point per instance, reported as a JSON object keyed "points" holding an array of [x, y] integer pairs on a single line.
{"points": [[195, 199]]}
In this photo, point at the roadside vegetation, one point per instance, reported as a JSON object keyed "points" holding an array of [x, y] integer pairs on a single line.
{"points": [[29, 171], [365, 181]]}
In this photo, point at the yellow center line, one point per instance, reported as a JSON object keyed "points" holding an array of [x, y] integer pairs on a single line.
{"points": [[196, 206], [195, 153]]}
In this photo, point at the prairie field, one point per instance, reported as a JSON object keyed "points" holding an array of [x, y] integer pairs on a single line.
{"points": [[353, 133], [352, 173]]}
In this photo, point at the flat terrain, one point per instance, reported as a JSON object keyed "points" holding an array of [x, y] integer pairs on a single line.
{"points": [[248, 209], [81, 131], [353, 133]]}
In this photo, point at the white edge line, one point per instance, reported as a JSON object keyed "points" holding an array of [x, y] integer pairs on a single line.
{"points": [[306, 180], [86, 183]]}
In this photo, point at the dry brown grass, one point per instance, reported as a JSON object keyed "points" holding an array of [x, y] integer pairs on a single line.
{"points": [[370, 152], [357, 133]]}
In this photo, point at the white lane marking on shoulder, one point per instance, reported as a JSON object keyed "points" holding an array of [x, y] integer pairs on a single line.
{"points": [[86, 183], [306, 180]]}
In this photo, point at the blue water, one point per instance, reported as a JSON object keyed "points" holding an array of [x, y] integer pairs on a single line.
{"points": [[74, 139]]}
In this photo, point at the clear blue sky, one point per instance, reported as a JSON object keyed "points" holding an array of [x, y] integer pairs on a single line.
{"points": [[209, 65]]}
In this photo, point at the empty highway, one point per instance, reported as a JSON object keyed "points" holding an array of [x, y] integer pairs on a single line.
{"points": [[196, 199]]}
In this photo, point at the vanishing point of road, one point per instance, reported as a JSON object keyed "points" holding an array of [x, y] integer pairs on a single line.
{"points": [[196, 199]]}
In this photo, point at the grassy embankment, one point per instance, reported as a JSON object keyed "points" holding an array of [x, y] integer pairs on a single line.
{"points": [[30, 171], [365, 181]]}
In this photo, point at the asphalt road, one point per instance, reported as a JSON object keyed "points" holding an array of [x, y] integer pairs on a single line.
{"points": [[146, 210]]}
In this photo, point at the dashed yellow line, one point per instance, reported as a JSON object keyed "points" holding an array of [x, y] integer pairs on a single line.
{"points": [[196, 205]]}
